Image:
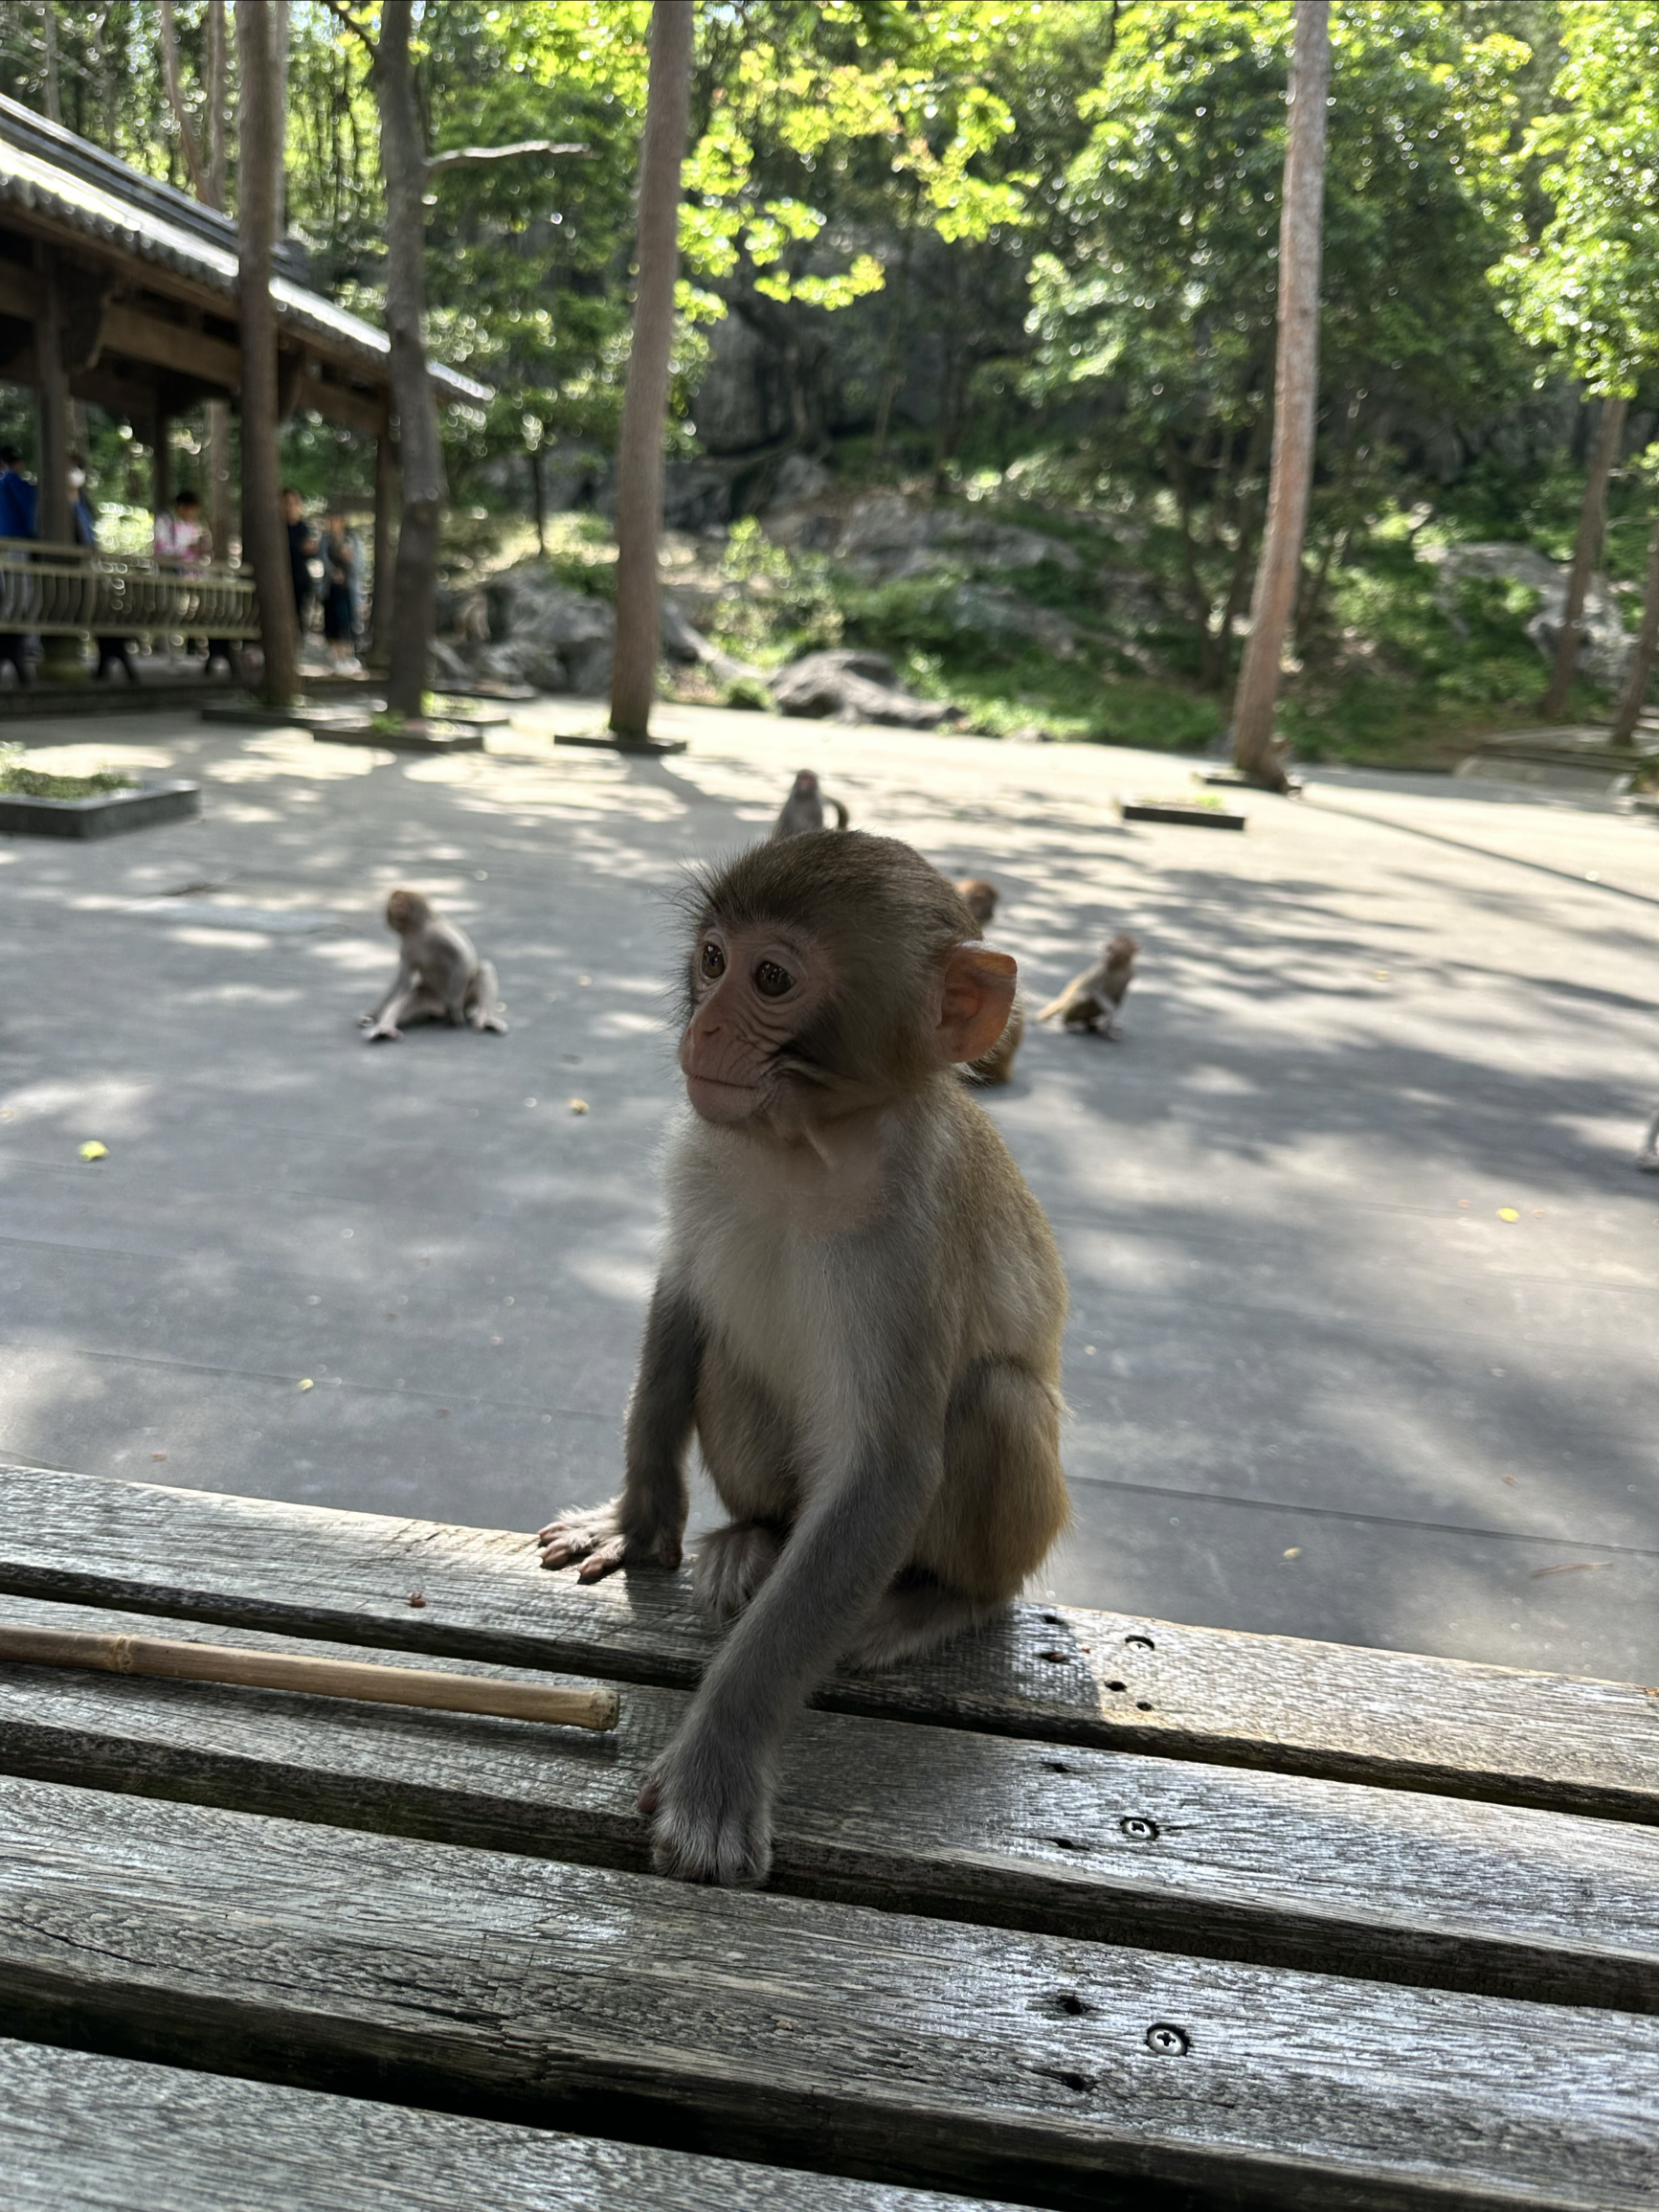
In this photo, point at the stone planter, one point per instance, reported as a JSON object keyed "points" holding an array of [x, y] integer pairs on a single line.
{"points": [[106, 813]]}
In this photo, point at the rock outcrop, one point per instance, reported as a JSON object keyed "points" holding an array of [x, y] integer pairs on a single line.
{"points": [[847, 685], [1605, 647]]}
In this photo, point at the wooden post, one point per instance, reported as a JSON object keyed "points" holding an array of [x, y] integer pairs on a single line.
{"points": [[386, 474], [61, 657], [161, 466], [645, 398], [52, 396], [1295, 392]]}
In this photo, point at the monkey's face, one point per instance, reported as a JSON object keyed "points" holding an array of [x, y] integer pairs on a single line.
{"points": [[757, 995], [805, 785], [405, 910], [980, 899]]}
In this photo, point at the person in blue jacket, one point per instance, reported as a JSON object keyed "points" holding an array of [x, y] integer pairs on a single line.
{"points": [[19, 508]]}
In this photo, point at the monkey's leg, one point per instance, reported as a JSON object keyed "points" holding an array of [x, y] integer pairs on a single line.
{"points": [[998, 1511], [484, 1000], [750, 1455], [1648, 1159], [643, 1526], [418, 1004]]}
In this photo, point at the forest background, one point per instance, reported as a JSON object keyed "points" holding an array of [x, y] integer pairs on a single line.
{"points": [[1013, 261]]}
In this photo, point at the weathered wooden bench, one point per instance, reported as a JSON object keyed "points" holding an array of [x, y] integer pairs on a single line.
{"points": [[1088, 1910]]}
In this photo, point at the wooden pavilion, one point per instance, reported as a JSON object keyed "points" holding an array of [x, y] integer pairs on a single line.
{"points": [[117, 289]]}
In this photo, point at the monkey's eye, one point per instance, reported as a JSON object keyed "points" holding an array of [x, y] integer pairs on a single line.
{"points": [[712, 960], [772, 981]]}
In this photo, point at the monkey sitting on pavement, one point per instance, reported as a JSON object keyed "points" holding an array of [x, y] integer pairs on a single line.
{"points": [[996, 1066], [803, 809], [859, 1316], [1091, 1000], [439, 976]]}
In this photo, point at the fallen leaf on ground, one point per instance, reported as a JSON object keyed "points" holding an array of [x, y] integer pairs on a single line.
{"points": [[578, 1105], [1571, 1566], [308, 1384], [92, 1149], [1508, 1214], [158, 1455], [417, 1597], [1295, 1552]]}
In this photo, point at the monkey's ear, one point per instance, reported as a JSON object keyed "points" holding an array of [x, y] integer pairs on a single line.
{"points": [[978, 995]]}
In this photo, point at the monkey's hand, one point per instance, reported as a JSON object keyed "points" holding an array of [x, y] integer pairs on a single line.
{"points": [[709, 1807], [596, 1536], [383, 1029]]}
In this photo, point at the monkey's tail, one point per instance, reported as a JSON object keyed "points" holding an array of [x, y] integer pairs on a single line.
{"points": [[842, 818], [1054, 1007]]}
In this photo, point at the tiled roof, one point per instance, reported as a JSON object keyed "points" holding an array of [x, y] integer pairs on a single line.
{"points": [[47, 168]]}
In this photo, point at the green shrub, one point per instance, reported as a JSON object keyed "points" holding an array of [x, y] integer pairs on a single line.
{"points": [[748, 691]]}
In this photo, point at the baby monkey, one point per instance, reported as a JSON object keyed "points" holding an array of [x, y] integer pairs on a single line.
{"points": [[803, 809], [997, 1065], [858, 1316], [439, 976], [1091, 1000]]}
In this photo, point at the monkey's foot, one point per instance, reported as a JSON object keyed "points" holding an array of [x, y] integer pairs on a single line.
{"points": [[730, 1567], [382, 1029], [482, 1022], [1648, 1161], [594, 1535], [709, 1806]]}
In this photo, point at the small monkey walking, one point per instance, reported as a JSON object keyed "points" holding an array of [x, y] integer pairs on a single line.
{"points": [[996, 1066], [439, 976], [803, 810], [859, 1316], [1091, 1000]]}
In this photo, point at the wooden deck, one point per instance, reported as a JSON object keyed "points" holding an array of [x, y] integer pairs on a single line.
{"points": [[1086, 1910]]}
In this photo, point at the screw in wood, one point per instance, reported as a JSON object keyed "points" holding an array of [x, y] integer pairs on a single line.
{"points": [[1138, 1829], [1169, 2042]]}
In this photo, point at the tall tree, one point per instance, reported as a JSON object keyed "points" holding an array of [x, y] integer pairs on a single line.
{"points": [[263, 535], [1295, 392], [1587, 553], [644, 404]]}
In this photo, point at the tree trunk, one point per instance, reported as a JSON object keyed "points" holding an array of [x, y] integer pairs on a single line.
{"points": [[539, 498], [388, 475], [169, 55], [1296, 384], [1632, 697], [219, 63], [1592, 529], [279, 61], [645, 403], [263, 538], [48, 40], [403, 162]]}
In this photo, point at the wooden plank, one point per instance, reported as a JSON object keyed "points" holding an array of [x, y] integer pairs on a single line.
{"points": [[1171, 1855], [80, 2132], [907, 2050], [1055, 1673]]}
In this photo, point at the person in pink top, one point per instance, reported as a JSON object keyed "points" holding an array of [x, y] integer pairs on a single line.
{"points": [[181, 538]]}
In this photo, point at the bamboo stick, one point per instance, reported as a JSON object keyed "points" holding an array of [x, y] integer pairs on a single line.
{"points": [[595, 1708]]}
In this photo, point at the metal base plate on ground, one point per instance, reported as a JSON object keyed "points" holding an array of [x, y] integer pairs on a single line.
{"points": [[106, 813], [1172, 810], [433, 737], [601, 742]]}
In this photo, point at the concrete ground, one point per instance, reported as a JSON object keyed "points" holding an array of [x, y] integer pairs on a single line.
{"points": [[1363, 1282]]}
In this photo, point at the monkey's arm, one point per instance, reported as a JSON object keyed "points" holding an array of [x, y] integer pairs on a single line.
{"points": [[401, 982], [643, 1526], [710, 1792]]}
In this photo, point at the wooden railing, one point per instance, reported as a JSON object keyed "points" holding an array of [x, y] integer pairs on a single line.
{"points": [[67, 590]]}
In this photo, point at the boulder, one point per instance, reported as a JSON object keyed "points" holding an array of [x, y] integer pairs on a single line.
{"points": [[886, 536], [847, 685], [988, 611], [1604, 647]]}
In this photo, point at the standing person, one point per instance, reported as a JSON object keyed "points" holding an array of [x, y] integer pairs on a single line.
{"points": [[302, 545], [112, 651], [183, 543], [340, 558], [18, 507]]}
